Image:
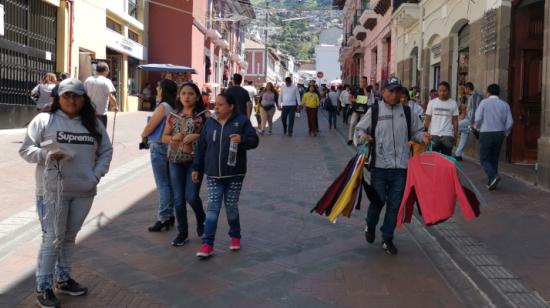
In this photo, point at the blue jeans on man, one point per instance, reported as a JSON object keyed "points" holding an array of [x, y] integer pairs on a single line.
{"points": [[332, 115], [161, 172], [389, 185], [287, 116], [490, 144], [185, 191], [220, 190], [464, 129]]}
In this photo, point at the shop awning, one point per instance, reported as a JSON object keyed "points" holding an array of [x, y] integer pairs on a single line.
{"points": [[171, 68]]}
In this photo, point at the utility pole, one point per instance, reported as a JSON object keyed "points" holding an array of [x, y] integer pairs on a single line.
{"points": [[265, 39]]}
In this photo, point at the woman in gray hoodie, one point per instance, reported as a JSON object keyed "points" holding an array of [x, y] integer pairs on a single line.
{"points": [[72, 151]]}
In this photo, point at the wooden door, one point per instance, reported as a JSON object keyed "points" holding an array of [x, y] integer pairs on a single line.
{"points": [[526, 80]]}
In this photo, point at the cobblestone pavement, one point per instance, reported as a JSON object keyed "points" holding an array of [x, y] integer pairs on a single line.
{"points": [[290, 258]]}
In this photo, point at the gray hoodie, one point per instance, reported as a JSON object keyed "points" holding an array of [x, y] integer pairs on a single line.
{"points": [[81, 173], [392, 144]]}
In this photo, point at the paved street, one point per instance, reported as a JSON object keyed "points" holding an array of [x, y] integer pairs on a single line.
{"points": [[290, 258]]}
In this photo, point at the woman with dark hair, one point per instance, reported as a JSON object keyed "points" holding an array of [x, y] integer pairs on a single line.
{"points": [[268, 102], [312, 101], [221, 155], [72, 152], [181, 133], [166, 95]]}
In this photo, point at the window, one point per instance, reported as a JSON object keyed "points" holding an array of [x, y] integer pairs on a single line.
{"points": [[111, 24], [132, 8], [133, 36]]}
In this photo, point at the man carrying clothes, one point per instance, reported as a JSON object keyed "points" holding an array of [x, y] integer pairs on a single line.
{"points": [[101, 91], [359, 106], [389, 131], [243, 103], [442, 120], [494, 122], [289, 99]]}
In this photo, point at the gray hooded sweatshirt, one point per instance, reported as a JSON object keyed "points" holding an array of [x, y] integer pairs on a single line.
{"points": [[392, 144], [81, 173]]}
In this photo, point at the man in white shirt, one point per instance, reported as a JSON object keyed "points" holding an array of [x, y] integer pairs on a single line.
{"points": [[442, 120], [289, 99], [344, 99], [101, 91]]}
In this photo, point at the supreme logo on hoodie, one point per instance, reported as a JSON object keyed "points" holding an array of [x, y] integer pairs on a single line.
{"points": [[75, 138]]}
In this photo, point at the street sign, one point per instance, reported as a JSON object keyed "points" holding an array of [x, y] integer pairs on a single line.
{"points": [[320, 74]]}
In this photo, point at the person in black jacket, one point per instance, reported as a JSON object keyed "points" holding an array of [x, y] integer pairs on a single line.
{"points": [[224, 179]]}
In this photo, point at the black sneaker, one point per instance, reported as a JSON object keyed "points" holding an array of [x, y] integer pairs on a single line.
{"points": [[389, 247], [47, 298], [180, 240], [494, 183], [458, 158], [350, 142], [370, 235], [71, 288], [200, 229]]}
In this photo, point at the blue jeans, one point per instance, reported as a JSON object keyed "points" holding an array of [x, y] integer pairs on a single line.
{"points": [[389, 185], [287, 116], [185, 191], [345, 114], [464, 128], [332, 114], [490, 144], [58, 258], [228, 190], [162, 179]]}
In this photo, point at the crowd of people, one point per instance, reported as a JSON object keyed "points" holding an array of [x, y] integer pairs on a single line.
{"points": [[189, 142]]}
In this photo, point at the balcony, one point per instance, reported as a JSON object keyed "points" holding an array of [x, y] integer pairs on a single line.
{"points": [[381, 6], [407, 14], [222, 43], [398, 3], [359, 32], [368, 19], [351, 41], [213, 34]]}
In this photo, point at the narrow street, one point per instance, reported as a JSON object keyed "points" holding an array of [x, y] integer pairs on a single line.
{"points": [[290, 257]]}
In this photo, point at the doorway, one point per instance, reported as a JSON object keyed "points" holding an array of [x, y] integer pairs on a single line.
{"points": [[526, 79]]}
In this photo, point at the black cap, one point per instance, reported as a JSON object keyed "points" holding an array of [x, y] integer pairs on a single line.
{"points": [[392, 84]]}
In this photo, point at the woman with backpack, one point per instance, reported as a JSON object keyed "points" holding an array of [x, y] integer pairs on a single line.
{"points": [[221, 156], [41, 94], [72, 152], [268, 103], [152, 133], [181, 133], [312, 101]]}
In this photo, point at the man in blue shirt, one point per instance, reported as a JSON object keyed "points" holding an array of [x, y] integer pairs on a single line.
{"points": [[493, 119]]}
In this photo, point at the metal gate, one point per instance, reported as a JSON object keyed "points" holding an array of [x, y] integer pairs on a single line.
{"points": [[27, 51]]}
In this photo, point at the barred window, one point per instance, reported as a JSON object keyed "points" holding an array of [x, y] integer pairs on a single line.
{"points": [[133, 36], [111, 24]]}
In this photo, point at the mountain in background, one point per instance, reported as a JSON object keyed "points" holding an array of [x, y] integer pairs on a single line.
{"points": [[295, 37]]}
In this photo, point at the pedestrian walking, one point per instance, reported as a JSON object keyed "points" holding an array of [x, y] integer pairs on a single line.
{"points": [[221, 156], [72, 152], [332, 102], [41, 94], [344, 98], [101, 91], [359, 106], [442, 120], [182, 131], [268, 102], [468, 122], [312, 101], [55, 90], [241, 95], [289, 100], [494, 122], [407, 101], [166, 95], [388, 127]]}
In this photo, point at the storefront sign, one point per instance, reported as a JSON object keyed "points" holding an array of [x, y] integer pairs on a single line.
{"points": [[488, 31], [124, 45], [1, 19]]}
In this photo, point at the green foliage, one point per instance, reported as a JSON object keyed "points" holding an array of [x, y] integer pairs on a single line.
{"points": [[296, 38]]}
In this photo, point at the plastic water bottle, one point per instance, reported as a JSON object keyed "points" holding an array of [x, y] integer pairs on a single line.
{"points": [[232, 157]]}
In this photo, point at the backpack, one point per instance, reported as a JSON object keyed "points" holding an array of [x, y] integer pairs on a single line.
{"points": [[375, 109]]}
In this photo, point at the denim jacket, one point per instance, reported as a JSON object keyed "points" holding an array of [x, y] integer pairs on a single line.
{"points": [[212, 149]]}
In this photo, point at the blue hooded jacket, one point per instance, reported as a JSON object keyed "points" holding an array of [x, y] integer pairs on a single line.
{"points": [[212, 150]]}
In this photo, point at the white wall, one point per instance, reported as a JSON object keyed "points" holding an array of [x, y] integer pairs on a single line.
{"points": [[327, 57]]}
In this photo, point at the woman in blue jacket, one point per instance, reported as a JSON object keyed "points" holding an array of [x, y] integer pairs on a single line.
{"points": [[224, 180]]}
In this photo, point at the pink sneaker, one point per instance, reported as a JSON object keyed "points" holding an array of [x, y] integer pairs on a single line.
{"points": [[235, 244], [205, 251]]}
